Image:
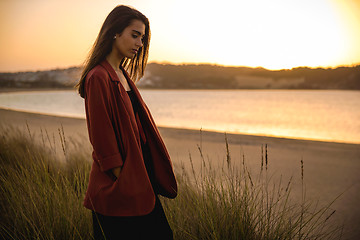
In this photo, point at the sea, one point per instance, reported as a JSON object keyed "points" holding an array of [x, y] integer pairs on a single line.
{"points": [[321, 115]]}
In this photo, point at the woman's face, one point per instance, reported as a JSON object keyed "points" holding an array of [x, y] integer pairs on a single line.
{"points": [[128, 43]]}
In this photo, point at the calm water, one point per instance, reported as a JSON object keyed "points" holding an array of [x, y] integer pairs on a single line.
{"points": [[304, 114]]}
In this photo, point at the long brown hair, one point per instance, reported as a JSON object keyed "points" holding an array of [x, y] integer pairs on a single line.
{"points": [[115, 23]]}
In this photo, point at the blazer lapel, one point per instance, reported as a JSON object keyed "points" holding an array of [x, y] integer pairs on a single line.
{"points": [[123, 96]]}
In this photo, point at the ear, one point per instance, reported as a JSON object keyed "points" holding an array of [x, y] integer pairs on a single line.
{"points": [[117, 35]]}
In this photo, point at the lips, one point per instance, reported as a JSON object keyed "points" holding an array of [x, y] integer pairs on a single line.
{"points": [[135, 50]]}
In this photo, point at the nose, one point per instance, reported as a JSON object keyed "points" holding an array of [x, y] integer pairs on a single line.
{"points": [[139, 42]]}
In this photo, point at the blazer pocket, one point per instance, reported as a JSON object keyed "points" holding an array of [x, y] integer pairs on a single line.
{"points": [[111, 175]]}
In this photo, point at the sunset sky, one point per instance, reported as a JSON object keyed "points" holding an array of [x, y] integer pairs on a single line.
{"points": [[275, 34]]}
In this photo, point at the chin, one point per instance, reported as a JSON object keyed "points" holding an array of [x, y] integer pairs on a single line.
{"points": [[131, 55]]}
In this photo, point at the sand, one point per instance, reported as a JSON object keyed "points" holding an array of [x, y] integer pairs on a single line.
{"points": [[330, 169]]}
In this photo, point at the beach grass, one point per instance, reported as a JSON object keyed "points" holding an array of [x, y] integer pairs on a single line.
{"points": [[42, 189]]}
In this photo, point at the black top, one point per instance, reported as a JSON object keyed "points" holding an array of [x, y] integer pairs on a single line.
{"points": [[144, 145], [132, 97]]}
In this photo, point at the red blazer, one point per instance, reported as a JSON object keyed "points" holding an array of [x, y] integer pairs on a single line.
{"points": [[115, 137]]}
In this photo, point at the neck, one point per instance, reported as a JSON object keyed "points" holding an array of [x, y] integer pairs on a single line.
{"points": [[114, 60]]}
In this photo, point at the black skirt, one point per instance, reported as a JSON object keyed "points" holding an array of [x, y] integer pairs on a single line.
{"points": [[151, 226]]}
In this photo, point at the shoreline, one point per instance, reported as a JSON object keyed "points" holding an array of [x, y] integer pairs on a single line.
{"points": [[249, 137], [245, 135], [12, 90]]}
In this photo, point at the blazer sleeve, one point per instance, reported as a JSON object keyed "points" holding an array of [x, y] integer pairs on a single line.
{"points": [[100, 127]]}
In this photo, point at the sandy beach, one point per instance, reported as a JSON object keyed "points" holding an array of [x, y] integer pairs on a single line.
{"points": [[330, 169]]}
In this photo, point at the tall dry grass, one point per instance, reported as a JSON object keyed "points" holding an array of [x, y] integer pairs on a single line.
{"points": [[41, 196], [227, 201]]}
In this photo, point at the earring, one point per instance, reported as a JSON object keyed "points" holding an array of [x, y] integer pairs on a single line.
{"points": [[114, 37]]}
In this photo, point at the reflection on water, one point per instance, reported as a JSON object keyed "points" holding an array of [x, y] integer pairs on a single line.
{"points": [[304, 114]]}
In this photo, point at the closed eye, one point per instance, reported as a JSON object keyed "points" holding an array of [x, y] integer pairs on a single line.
{"points": [[138, 34]]}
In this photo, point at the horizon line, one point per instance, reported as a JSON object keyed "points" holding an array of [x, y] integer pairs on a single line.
{"points": [[196, 64]]}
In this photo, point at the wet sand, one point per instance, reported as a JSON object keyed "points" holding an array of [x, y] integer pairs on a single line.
{"points": [[330, 169]]}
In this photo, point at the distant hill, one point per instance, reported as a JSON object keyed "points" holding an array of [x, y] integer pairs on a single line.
{"points": [[58, 78], [204, 76]]}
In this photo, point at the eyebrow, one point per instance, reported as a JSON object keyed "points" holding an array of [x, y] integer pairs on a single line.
{"points": [[137, 32]]}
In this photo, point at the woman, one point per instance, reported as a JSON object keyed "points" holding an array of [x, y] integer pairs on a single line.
{"points": [[131, 164]]}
